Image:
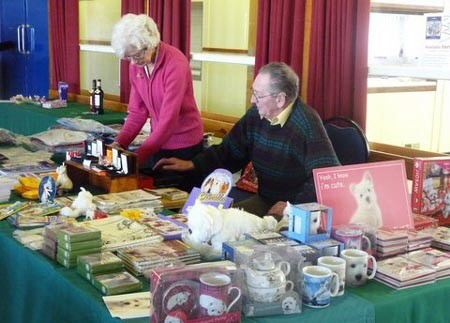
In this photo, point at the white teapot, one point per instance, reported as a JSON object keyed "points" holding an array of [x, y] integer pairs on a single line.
{"points": [[266, 279]]}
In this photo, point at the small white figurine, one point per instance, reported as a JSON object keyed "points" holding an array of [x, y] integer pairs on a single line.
{"points": [[90, 213], [80, 205], [63, 182]]}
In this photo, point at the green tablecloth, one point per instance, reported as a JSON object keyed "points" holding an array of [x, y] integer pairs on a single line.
{"points": [[28, 119], [35, 289]]}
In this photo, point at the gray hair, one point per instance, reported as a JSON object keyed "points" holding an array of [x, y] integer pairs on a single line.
{"points": [[139, 31], [282, 79]]}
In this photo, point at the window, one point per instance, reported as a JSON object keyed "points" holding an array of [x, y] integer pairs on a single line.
{"points": [[405, 94], [223, 38], [97, 58]]}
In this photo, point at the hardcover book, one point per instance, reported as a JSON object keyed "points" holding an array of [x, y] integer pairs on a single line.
{"points": [[77, 233], [431, 188], [374, 194], [117, 283], [100, 262]]}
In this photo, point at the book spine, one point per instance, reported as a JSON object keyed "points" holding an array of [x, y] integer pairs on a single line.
{"points": [[416, 194]]}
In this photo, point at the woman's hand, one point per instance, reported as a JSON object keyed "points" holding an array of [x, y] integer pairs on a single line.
{"points": [[176, 164]]}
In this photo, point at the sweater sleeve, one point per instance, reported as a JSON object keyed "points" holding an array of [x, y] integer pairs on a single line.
{"points": [[137, 115], [232, 153], [174, 87], [319, 153]]}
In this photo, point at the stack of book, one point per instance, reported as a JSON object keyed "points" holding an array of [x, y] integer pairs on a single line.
{"points": [[433, 258], [400, 272], [120, 282], [138, 260], [441, 237], [119, 232], [418, 240], [391, 242], [113, 203], [50, 244], [6, 185], [75, 241], [34, 215], [101, 263]]}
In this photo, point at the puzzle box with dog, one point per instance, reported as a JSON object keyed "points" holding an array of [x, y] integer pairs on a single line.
{"points": [[374, 194], [431, 188]]}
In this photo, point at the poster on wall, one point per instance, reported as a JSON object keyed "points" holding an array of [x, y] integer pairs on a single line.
{"points": [[437, 41]]}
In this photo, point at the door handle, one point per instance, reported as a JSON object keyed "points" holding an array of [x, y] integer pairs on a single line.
{"points": [[31, 43], [19, 38]]}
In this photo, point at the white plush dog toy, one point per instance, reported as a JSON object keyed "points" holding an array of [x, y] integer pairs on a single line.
{"points": [[63, 182], [209, 227], [80, 205]]}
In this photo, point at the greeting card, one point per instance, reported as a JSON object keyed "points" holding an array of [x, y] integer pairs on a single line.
{"points": [[372, 193]]}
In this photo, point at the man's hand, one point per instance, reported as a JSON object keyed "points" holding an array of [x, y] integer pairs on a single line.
{"points": [[277, 209], [176, 164]]}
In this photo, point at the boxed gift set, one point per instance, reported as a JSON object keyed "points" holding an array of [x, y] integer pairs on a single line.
{"points": [[202, 293], [272, 280]]}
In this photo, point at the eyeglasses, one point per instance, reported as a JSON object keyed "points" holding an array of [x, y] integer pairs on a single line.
{"points": [[138, 56], [262, 96]]}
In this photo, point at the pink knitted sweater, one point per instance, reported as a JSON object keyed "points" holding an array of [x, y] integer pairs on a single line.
{"points": [[168, 99]]}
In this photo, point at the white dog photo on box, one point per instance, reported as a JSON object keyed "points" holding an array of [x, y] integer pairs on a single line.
{"points": [[368, 211]]}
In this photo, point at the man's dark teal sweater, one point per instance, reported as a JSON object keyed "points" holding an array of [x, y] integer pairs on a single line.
{"points": [[283, 157]]}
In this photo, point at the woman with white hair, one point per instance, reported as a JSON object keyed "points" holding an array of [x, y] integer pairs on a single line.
{"points": [[161, 88]]}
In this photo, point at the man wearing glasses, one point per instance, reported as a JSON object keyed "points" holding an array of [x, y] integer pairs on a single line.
{"points": [[281, 135]]}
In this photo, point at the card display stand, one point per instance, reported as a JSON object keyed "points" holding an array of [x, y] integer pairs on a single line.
{"points": [[109, 182]]}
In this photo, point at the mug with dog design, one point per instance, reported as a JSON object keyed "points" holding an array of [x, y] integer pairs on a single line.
{"points": [[214, 290], [357, 265], [337, 265], [352, 237], [319, 284]]}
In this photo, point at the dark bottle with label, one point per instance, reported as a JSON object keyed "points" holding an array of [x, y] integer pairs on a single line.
{"points": [[98, 98], [91, 96]]}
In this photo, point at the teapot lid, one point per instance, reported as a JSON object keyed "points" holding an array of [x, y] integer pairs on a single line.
{"points": [[264, 262]]}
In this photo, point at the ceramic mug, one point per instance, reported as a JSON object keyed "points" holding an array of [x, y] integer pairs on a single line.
{"points": [[319, 284], [337, 265], [269, 294], [356, 267], [214, 290], [353, 238]]}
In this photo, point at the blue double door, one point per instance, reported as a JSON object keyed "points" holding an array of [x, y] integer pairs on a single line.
{"points": [[24, 54]]}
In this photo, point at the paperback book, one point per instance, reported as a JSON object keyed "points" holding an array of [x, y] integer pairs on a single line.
{"points": [[401, 272], [129, 306], [118, 232], [433, 258]]}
